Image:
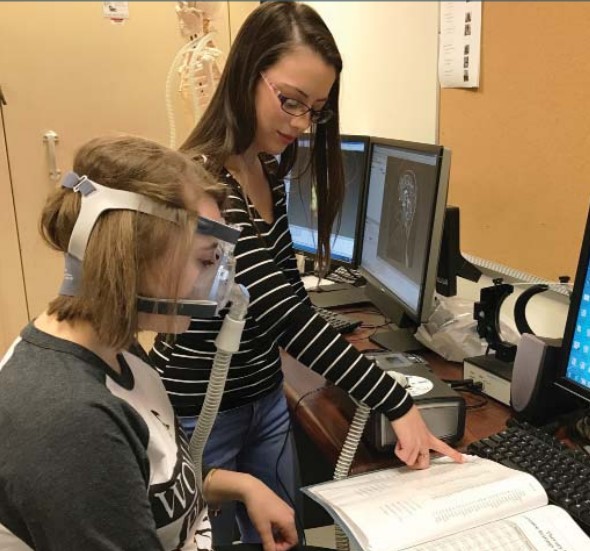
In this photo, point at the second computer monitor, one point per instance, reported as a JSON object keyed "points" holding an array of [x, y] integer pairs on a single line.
{"points": [[301, 203], [405, 209]]}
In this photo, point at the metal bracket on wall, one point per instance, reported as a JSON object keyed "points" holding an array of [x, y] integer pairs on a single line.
{"points": [[51, 139]]}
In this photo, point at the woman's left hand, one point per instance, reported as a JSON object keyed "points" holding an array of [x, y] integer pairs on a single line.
{"points": [[273, 519]]}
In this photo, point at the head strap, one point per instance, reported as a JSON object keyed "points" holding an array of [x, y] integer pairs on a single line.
{"points": [[106, 198], [103, 199]]}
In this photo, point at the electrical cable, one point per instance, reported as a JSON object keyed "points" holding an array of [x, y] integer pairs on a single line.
{"points": [[298, 520], [364, 337], [368, 310], [469, 386]]}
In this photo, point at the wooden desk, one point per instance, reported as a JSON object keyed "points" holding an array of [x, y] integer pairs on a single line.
{"points": [[324, 411]]}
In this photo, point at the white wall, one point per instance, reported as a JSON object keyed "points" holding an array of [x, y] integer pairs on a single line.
{"points": [[389, 82], [238, 11]]}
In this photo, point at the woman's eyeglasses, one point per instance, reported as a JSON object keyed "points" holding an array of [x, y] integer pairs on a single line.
{"points": [[297, 108]]}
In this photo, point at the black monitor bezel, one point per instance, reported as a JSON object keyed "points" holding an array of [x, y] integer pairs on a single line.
{"points": [[570, 325], [439, 150], [455, 264], [356, 254]]}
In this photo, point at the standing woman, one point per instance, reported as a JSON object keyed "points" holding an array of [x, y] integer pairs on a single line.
{"points": [[282, 77], [92, 457]]}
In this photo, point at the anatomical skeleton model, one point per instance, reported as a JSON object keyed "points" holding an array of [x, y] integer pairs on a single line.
{"points": [[198, 64]]}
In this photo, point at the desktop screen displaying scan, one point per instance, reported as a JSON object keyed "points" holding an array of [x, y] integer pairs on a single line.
{"points": [[406, 198], [301, 203], [575, 367]]}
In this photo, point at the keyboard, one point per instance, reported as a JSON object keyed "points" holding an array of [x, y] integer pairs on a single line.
{"points": [[564, 473], [340, 322], [346, 275]]}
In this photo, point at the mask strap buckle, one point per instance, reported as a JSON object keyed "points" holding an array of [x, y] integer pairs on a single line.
{"points": [[78, 184]]}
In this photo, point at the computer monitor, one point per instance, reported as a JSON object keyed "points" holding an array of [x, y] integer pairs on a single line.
{"points": [[405, 208], [451, 263], [301, 204], [574, 371]]}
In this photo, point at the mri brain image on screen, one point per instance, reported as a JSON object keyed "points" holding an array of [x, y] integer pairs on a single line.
{"points": [[408, 197], [402, 197], [407, 193]]}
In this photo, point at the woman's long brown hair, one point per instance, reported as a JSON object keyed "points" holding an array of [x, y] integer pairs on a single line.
{"points": [[228, 126]]}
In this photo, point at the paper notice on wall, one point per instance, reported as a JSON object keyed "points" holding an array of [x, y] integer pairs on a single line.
{"points": [[117, 12], [460, 44]]}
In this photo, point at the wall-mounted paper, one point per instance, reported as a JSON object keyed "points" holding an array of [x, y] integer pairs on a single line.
{"points": [[460, 43], [117, 12]]}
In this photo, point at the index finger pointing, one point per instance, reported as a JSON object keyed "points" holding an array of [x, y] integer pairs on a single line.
{"points": [[440, 447]]}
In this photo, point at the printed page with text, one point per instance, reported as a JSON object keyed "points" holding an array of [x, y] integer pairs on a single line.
{"points": [[398, 509]]}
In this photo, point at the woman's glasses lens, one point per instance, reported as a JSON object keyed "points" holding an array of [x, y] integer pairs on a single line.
{"points": [[321, 117], [298, 109]]}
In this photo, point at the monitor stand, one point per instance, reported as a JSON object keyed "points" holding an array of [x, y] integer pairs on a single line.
{"points": [[397, 339], [399, 334]]}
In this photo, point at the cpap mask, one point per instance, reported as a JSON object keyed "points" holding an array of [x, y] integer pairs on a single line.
{"points": [[212, 290]]}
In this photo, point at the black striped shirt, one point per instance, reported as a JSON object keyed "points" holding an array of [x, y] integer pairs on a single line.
{"points": [[279, 315]]}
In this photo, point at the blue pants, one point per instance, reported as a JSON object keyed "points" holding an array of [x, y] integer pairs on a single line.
{"points": [[255, 439]]}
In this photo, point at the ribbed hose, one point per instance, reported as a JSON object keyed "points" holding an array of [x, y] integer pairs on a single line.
{"points": [[345, 459], [209, 412], [227, 343]]}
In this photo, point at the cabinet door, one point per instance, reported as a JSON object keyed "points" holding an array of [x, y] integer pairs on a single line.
{"points": [[13, 306], [69, 70]]}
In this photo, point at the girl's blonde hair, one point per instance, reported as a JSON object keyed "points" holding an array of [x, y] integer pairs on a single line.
{"points": [[125, 245]]}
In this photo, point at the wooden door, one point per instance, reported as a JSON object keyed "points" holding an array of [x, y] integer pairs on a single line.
{"points": [[69, 70], [13, 308]]}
